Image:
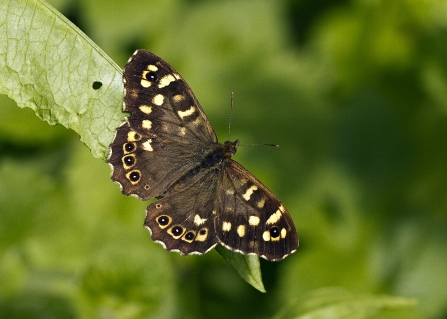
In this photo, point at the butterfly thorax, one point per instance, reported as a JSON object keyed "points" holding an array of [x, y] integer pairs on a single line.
{"points": [[218, 154]]}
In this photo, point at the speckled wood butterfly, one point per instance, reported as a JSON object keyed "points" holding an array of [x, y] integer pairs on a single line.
{"points": [[167, 148]]}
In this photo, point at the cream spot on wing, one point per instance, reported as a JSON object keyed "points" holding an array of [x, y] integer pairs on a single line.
{"points": [[253, 220], [133, 136], [241, 230], [146, 109], [133, 94], [199, 221], [177, 76], [229, 191], [182, 131], [273, 219], [188, 112], [283, 233], [196, 122], [249, 191], [166, 80], [158, 99], [178, 98], [147, 145], [261, 202], [147, 124], [266, 236], [145, 83], [202, 235], [214, 212], [226, 226], [282, 209], [152, 67]]}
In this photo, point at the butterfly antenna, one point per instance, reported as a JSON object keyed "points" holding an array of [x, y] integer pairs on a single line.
{"points": [[266, 144], [229, 127], [231, 115]]}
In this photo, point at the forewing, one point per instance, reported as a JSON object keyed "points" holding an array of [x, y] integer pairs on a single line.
{"points": [[161, 102], [166, 133], [146, 166], [251, 219]]}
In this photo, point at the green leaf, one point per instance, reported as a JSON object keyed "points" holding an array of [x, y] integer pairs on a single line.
{"points": [[50, 66], [334, 303], [247, 266]]}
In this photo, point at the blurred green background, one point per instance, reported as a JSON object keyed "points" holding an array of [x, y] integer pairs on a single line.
{"points": [[355, 94]]}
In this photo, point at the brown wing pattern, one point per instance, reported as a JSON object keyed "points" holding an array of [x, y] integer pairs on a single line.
{"points": [[166, 132], [183, 220], [168, 148], [252, 219]]}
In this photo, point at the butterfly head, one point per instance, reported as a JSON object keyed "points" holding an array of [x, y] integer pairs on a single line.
{"points": [[230, 148]]}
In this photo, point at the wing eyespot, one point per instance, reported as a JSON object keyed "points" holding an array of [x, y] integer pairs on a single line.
{"points": [[129, 147], [151, 76], [129, 161], [134, 176], [274, 232], [163, 221]]}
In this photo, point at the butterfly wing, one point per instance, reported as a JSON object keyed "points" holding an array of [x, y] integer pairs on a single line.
{"points": [[183, 220], [251, 219], [168, 148], [166, 133]]}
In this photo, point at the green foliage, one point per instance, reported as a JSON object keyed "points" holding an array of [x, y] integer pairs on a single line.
{"points": [[334, 303], [358, 106], [47, 65], [88, 119], [247, 267]]}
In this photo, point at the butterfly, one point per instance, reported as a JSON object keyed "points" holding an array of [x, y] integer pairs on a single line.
{"points": [[168, 149]]}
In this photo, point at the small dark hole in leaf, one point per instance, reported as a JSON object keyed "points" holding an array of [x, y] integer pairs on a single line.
{"points": [[96, 85]]}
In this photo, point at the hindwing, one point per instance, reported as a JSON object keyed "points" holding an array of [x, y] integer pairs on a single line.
{"points": [[184, 219], [251, 219]]}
